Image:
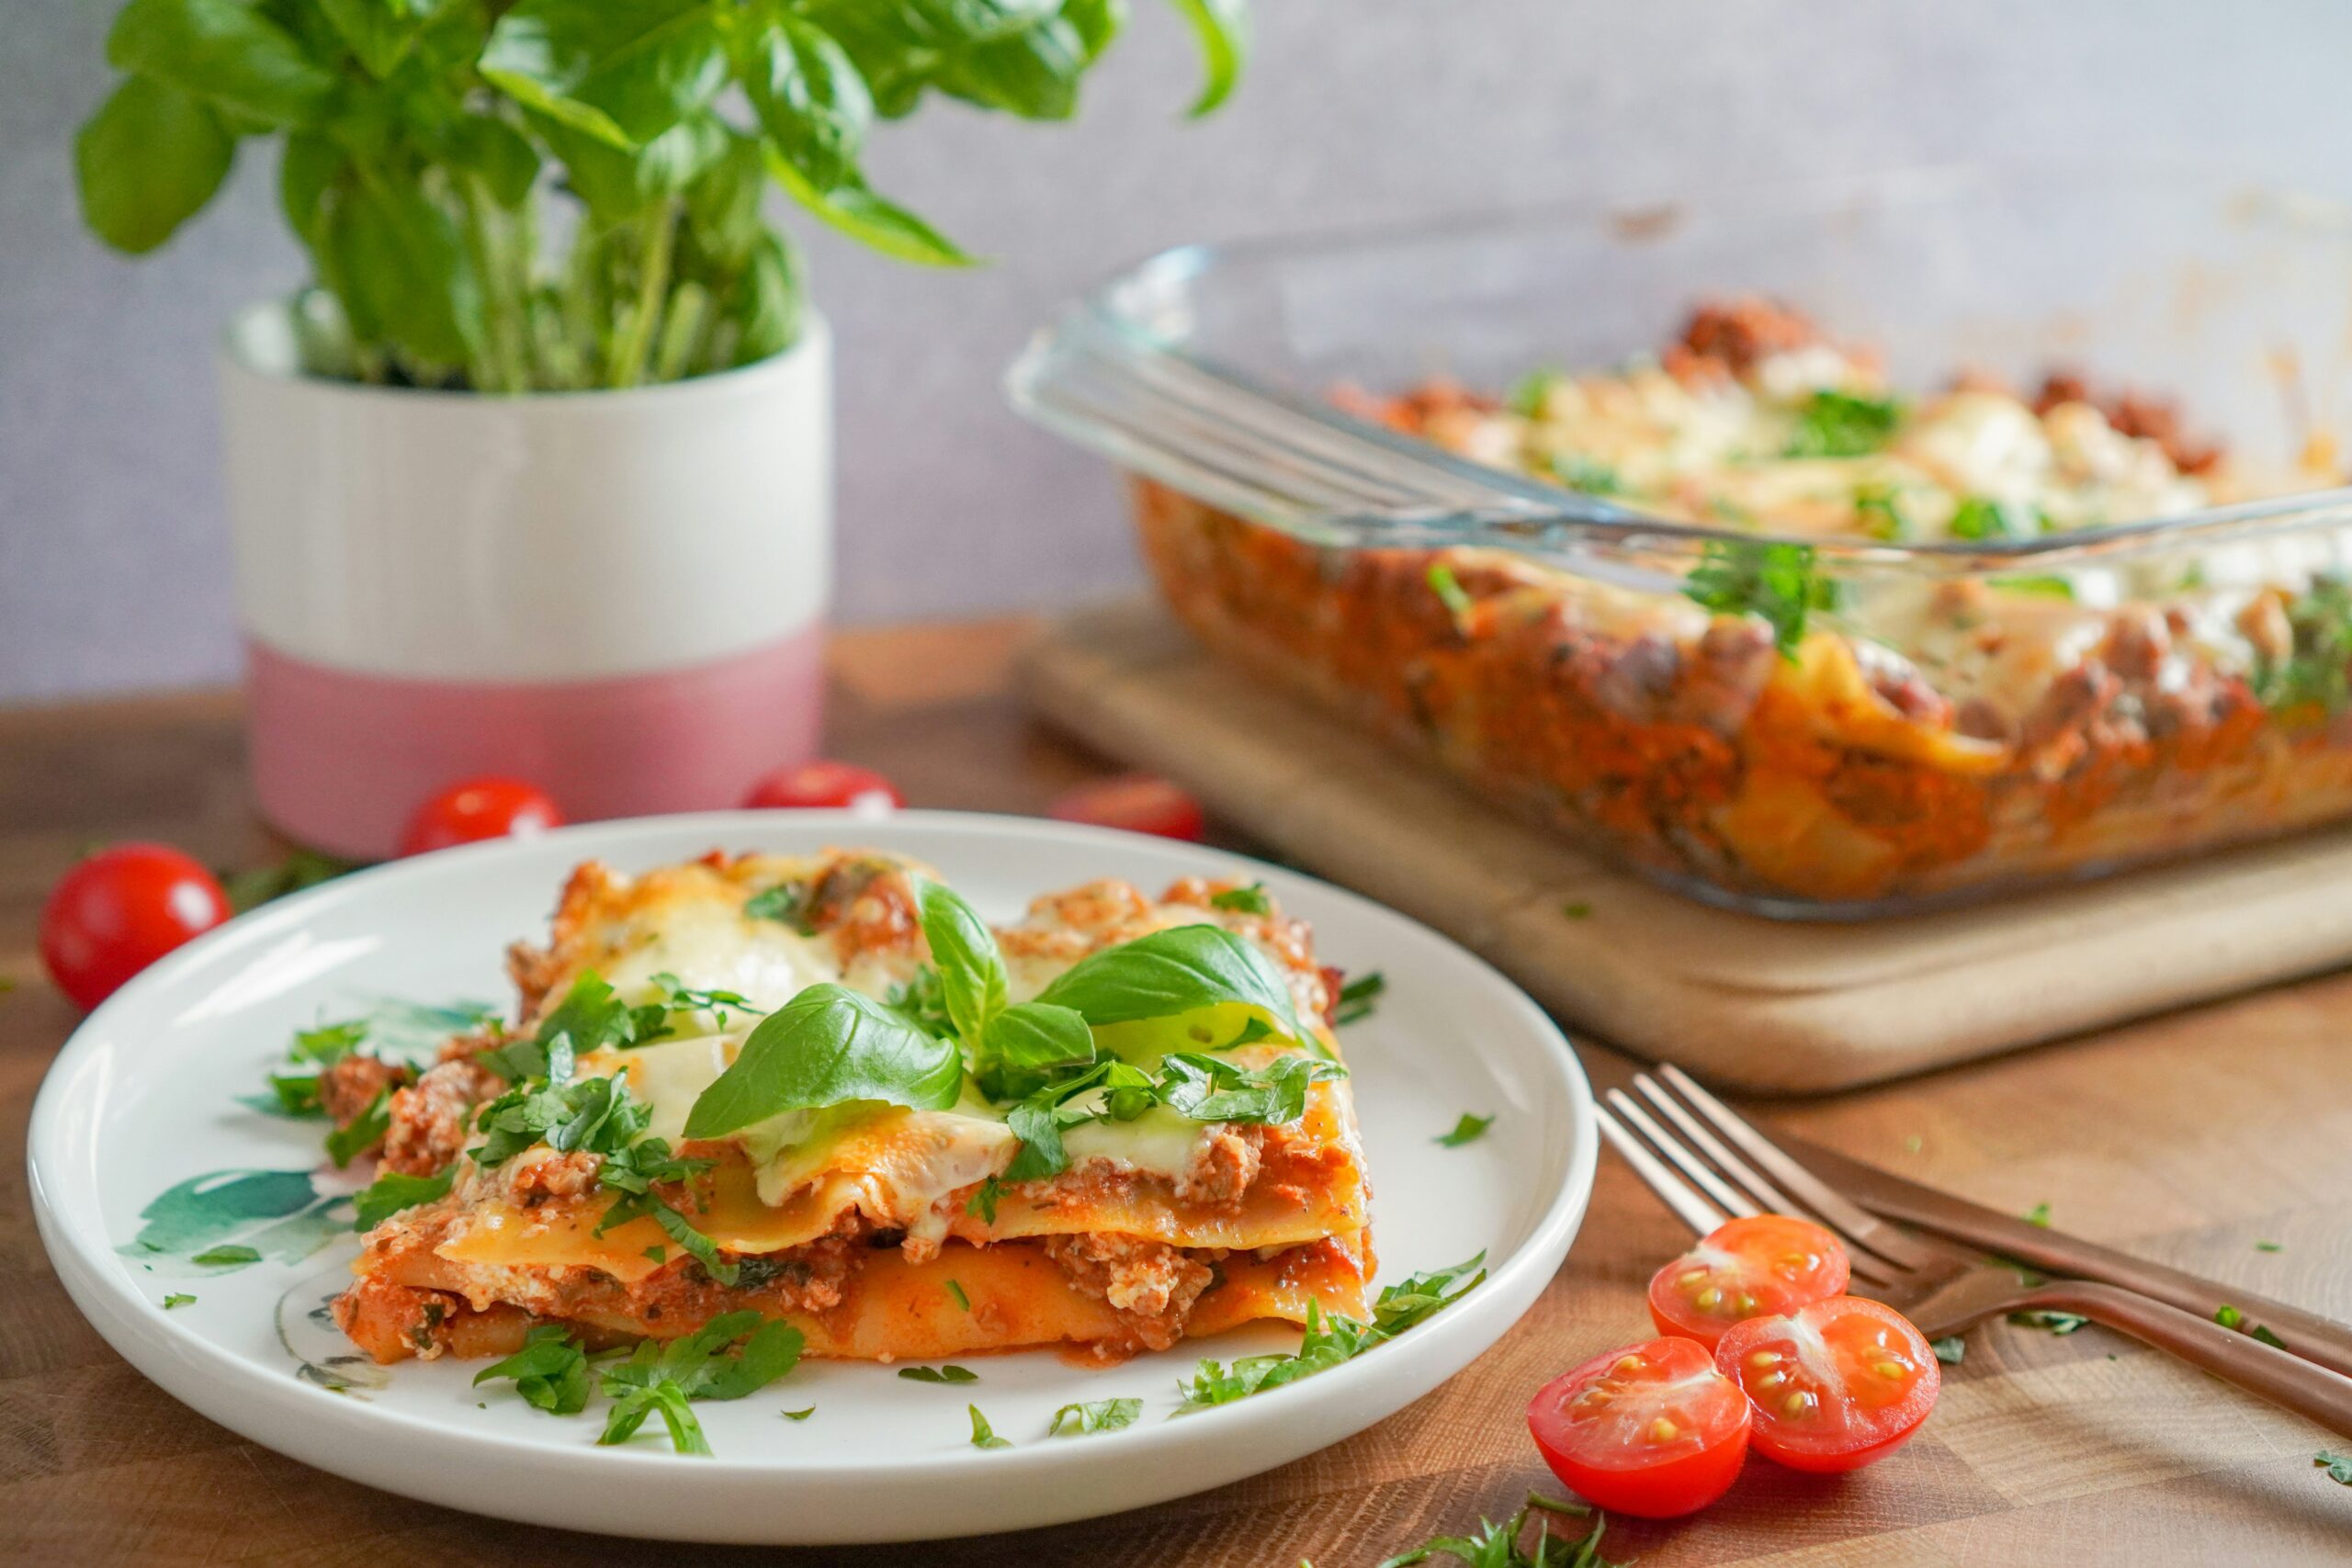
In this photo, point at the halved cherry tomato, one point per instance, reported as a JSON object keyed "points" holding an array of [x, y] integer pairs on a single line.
{"points": [[821, 783], [1763, 1263], [121, 910], [1138, 802], [477, 810], [1838, 1385], [1652, 1429]]}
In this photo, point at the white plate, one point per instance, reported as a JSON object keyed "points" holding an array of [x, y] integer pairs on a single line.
{"points": [[145, 1097]]}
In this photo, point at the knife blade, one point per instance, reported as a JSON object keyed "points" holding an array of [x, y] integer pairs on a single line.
{"points": [[2308, 1335]]}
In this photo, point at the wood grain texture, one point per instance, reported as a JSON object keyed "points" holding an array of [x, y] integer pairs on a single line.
{"points": [[2188, 1137], [1763, 1005]]}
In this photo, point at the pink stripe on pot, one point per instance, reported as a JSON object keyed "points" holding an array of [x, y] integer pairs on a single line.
{"points": [[340, 760]]}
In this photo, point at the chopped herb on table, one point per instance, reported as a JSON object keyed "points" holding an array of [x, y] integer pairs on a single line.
{"points": [[2231, 1317], [2037, 1215], [1469, 1130], [983, 1435], [1500, 1545], [2269, 1247], [2338, 1466], [2056, 1322], [1950, 1351]]}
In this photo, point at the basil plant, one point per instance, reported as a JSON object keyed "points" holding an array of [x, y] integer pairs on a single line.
{"points": [[565, 194]]}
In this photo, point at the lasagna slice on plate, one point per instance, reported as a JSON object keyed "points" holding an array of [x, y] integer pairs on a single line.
{"points": [[821, 1089]]}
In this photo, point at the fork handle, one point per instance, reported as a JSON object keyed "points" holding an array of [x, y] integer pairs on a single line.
{"points": [[2284, 1379]]}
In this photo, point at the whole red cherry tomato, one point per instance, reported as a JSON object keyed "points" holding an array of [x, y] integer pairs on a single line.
{"points": [[1653, 1429], [1140, 802], [119, 911], [821, 783], [477, 810]]}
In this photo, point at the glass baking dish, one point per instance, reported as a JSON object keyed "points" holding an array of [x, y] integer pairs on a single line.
{"points": [[1577, 662]]}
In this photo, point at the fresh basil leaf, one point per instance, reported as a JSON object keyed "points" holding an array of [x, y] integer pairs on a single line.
{"points": [[827, 1046], [810, 99], [147, 162], [1025, 1047], [393, 1191], [624, 71], [502, 156], [225, 52], [379, 33], [983, 1435], [398, 264], [1104, 1416], [551, 1371], [1221, 28], [963, 951], [869, 219], [1176, 970]]}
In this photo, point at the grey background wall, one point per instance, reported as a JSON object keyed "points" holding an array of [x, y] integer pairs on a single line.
{"points": [[113, 554]]}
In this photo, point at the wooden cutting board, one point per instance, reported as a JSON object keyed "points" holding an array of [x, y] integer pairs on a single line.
{"points": [[1756, 1004]]}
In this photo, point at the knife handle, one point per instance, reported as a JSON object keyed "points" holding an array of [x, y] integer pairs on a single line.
{"points": [[2285, 1380]]}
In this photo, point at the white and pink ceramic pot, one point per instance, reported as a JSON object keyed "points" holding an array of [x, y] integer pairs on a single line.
{"points": [[619, 596]]}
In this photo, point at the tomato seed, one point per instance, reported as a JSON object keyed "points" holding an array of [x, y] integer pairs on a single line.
{"points": [[1797, 1404], [1664, 1431], [1765, 1359]]}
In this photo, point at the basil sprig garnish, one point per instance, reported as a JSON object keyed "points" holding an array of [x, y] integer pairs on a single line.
{"points": [[830, 1044]]}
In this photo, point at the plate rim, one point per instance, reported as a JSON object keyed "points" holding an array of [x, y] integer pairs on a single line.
{"points": [[207, 1376]]}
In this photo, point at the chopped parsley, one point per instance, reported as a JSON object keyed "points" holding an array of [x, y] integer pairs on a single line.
{"points": [[1582, 473], [1775, 582], [1532, 391], [1979, 517], [1449, 591], [1358, 996], [1250, 901], [984, 1199], [2056, 1322], [551, 1371], [955, 1293], [2037, 1215], [800, 1415], [1104, 1416], [661, 1380], [233, 1256], [1499, 1546], [2267, 1247], [2317, 670], [1950, 1351], [393, 1192], [680, 998], [950, 1373], [1469, 1130], [983, 1435], [1880, 511], [2338, 1466], [786, 903], [1841, 424], [1330, 1341], [178, 1298], [363, 1132], [296, 1095]]}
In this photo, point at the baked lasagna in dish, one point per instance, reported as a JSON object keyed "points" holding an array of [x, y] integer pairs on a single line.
{"points": [[821, 1089], [1853, 693]]}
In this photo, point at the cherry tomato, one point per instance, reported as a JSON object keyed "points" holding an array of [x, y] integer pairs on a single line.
{"points": [[121, 910], [1836, 1384], [477, 810], [1764, 1263], [1653, 1429], [823, 783], [1137, 802]]}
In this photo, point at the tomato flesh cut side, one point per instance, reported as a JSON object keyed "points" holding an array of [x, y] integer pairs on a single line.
{"points": [[1759, 1265], [1653, 1429], [1836, 1384]]}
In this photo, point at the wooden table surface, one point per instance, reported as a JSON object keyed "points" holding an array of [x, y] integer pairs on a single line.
{"points": [[2189, 1138]]}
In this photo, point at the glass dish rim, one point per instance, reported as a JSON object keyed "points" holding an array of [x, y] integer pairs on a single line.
{"points": [[1575, 519]]}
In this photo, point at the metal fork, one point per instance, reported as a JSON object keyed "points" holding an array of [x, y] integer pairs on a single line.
{"points": [[1734, 1169]]}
